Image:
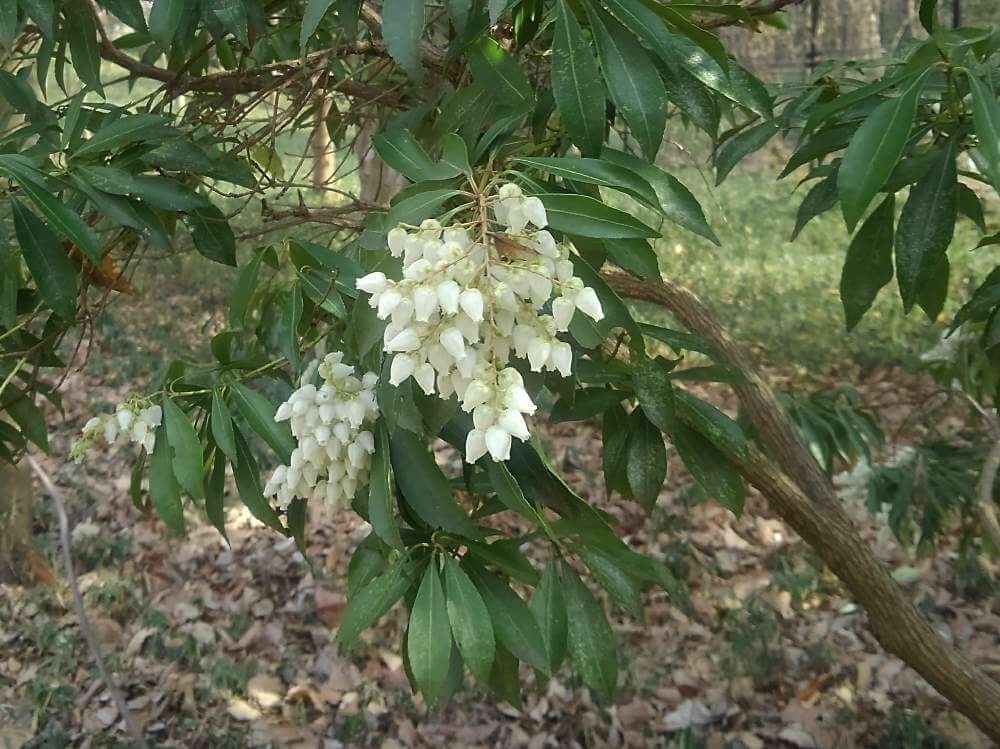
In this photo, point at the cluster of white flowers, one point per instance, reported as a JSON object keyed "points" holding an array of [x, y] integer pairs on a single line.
{"points": [[136, 418], [466, 303], [334, 450]]}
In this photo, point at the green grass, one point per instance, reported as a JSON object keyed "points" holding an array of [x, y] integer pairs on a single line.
{"points": [[782, 297]]}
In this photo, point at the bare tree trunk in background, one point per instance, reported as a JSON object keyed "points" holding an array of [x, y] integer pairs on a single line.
{"points": [[379, 182], [320, 144], [17, 499]]}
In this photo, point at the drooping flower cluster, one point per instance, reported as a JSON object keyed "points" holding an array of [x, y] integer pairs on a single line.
{"points": [[468, 301], [333, 454], [136, 418]]}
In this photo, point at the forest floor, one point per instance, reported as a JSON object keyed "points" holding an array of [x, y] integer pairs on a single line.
{"points": [[218, 645]]}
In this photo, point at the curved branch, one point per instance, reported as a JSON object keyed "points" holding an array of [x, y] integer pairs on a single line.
{"points": [[824, 524]]}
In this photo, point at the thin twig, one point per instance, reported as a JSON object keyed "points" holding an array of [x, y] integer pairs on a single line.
{"points": [[95, 648]]}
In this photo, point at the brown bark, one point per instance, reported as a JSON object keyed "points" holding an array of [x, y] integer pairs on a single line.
{"points": [[320, 145], [809, 506]]}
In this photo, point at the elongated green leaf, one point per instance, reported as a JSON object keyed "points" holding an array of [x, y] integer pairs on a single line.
{"points": [[215, 496], [502, 75], [926, 226], [587, 217], [128, 11], [513, 624], [591, 641], [576, 83], [381, 508], [586, 403], [549, 608], [373, 599], [928, 15], [712, 423], [633, 83], [675, 201], [508, 492], [164, 491], [414, 209], [211, 234], [400, 150], [821, 198], [43, 13], [52, 270], [402, 27], [291, 315], [710, 468], [596, 172], [186, 462], [428, 637], [986, 117], [247, 476], [134, 128], [646, 459], [470, 621], [314, 12], [874, 150], [624, 589], [741, 145], [259, 413], [82, 33], [164, 20], [868, 266], [656, 394], [223, 431], [29, 417], [425, 488], [246, 284], [60, 216]]}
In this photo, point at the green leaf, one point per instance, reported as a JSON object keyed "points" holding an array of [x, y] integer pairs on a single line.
{"points": [[633, 83], [928, 15], [986, 118], [30, 419], [622, 587], [587, 217], [43, 253], [549, 609], [61, 217], [501, 74], [164, 20], [716, 475], [291, 316], [211, 234], [215, 496], [712, 423], [675, 201], [186, 462], [128, 11], [428, 637], [135, 128], [470, 620], [651, 379], [402, 27], [874, 151], [243, 290], [400, 150], [247, 476], [164, 491], [614, 440], [576, 83], [586, 403], [381, 509], [741, 145], [596, 172], [926, 225], [513, 624], [645, 460], [821, 198], [425, 488], [970, 206], [43, 13], [259, 413], [455, 153], [414, 209], [371, 601], [868, 266], [508, 491], [223, 431], [82, 34], [591, 642]]}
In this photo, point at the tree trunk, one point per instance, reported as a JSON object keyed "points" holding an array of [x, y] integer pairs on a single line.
{"points": [[320, 145], [379, 182], [810, 507], [17, 499]]}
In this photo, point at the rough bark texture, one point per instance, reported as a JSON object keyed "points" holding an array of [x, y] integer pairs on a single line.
{"points": [[379, 182], [808, 504], [17, 499]]}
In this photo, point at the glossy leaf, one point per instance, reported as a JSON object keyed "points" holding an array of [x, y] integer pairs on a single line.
{"points": [[576, 83], [373, 599], [259, 414], [381, 507], [549, 608], [164, 491], [868, 266], [591, 641], [646, 460], [247, 475], [471, 625], [741, 145], [428, 637], [186, 462], [986, 117], [513, 624], [718, 477], [47, 262], [164, 20], [82, 34], [587, 217], [211, 234], [223, 431]]}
